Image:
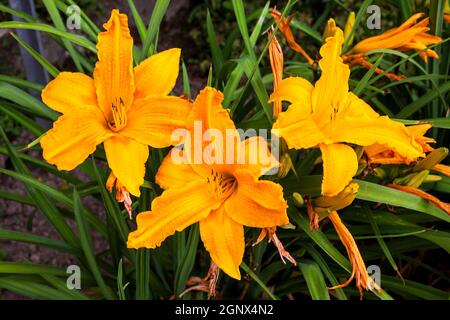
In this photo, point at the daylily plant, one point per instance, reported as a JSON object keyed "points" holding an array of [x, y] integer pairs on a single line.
{"points": [[125, 108], [330, 117], [223, 198]]}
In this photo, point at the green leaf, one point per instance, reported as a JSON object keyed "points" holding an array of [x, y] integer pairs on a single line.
{"points": [[86, 246], [52, 10], [253, 275], [36, 55], [363, 83], [32, 289], [296, 24], [21, 83], [416, 105], [319, 238], [57, 195], [111, 206], [28, 268], [76, 39], [376, 193], [158, 13], [380, 240], [187, 260], [25, 100], [25, 121], [314, 280], [120, 286], [217, 55], [443, 123], [186, 83], [143, 274], [411, 288], [37, 240], [137, 19], [61, 285], [45, 206], [326, 270]]}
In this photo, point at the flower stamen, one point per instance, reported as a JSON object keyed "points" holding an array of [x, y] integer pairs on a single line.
{"points": [[118, 118]]}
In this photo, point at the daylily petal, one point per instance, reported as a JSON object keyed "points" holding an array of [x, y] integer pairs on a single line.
{"points": [[126, 158], [152, 121], [74, 137], [256, 203], [297, 128], [356, 107], [295, 90], [365, 131], [418, 132], [208, 109], [172, 174], [394, 37], [68, 91], [255, 156], [224, 240], [331, 90], [216, 126], [339, 166], [175, 210], [157, 74], [113, 73]]}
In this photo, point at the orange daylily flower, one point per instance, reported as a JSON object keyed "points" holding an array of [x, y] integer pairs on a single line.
{"points": [[288, 35], [122, 194], [442, 168], [424, 195], [363, 280], [447, 11], [328, 206], [271, 235], [330, 117], [382, 154], [276, 62], [411, 35], [125, 108], [223, 198]]}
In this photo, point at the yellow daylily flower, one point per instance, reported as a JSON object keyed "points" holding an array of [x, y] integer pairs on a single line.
{"points": [[330, 117], [411, 35], [330, 29], [223, 198], [382, 154], [348, 28], [125, 108]]}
